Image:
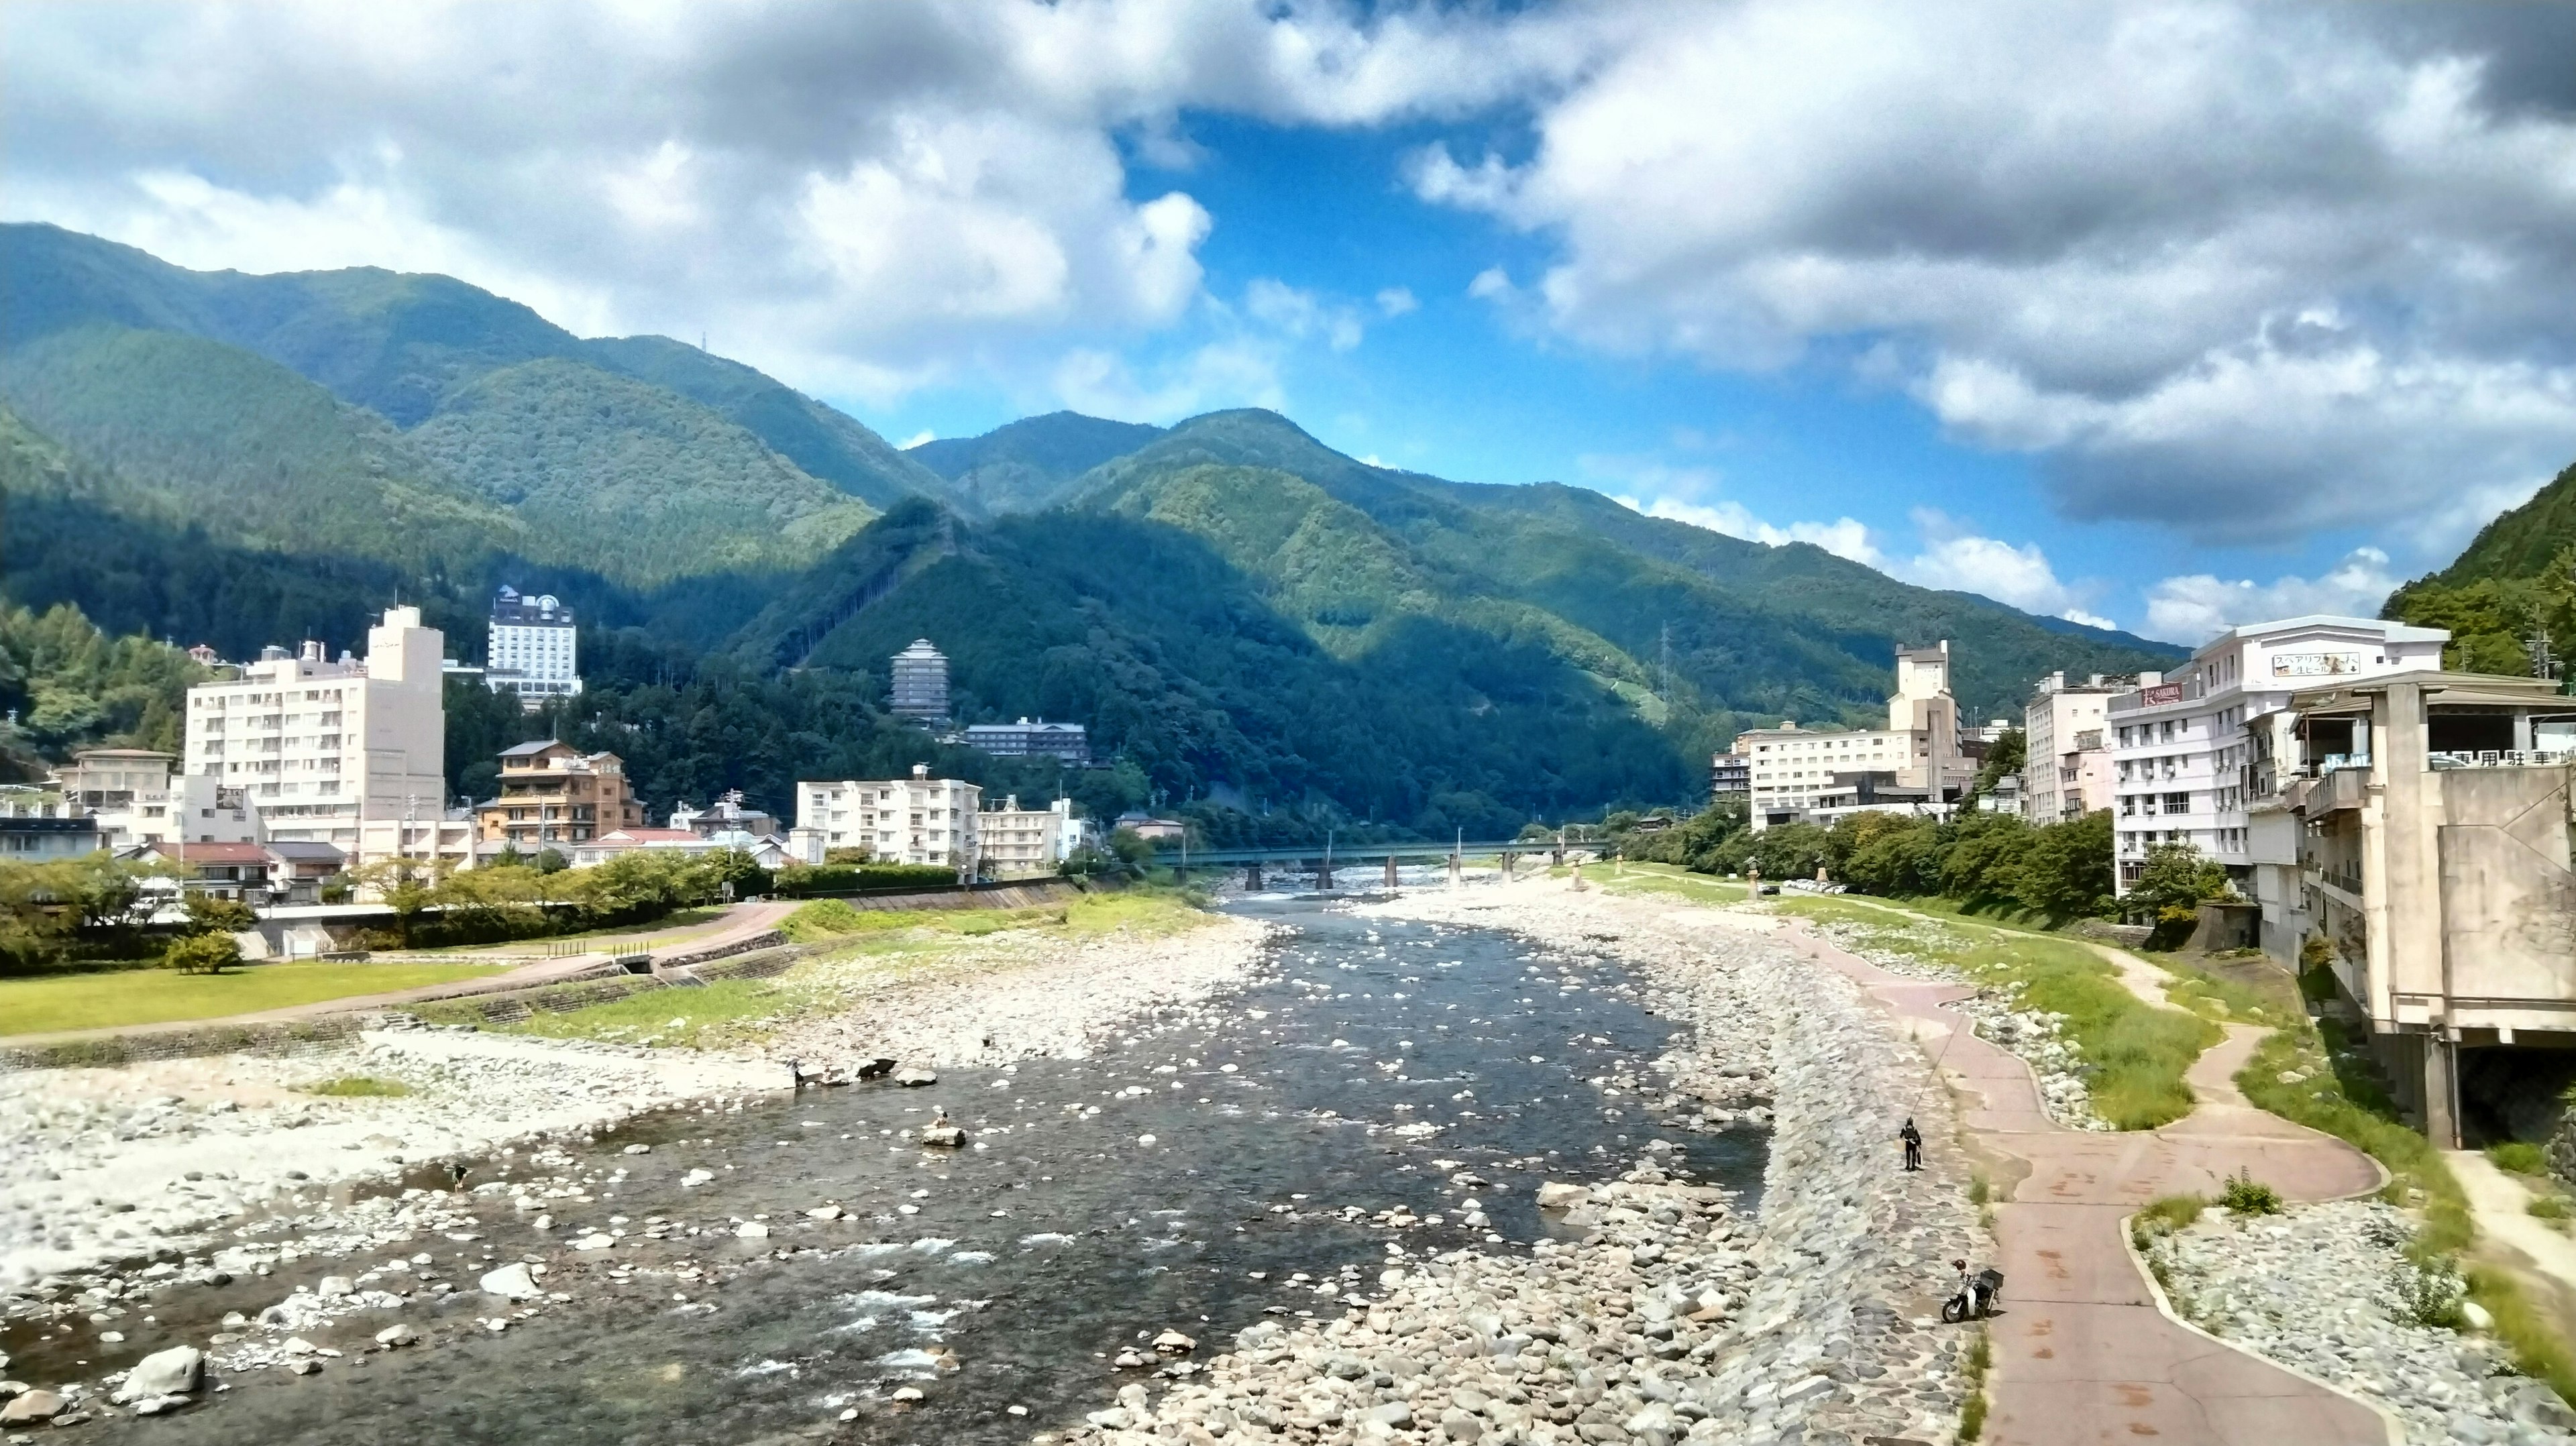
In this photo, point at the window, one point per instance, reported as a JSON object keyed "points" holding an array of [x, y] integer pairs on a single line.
{"points": [[2177, 803]]}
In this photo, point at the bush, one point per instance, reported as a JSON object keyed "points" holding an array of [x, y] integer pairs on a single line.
{"points": [[2429, 1294], [208, 914], [2245, 1195], [357, 1086], [2169, 1213], [2547, 1207], [810, 881], [202, 954], [2520, 1156]]}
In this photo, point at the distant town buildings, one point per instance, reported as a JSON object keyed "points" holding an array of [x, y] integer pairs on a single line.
{"points": [[920, 682], [726, 815], [531, 648], [2183, 749], [1915, 764], [1026, 739], [1730, 778], [916, 820], [553, 795], [351, 752], [37, 826], [1154, 830], [2067, 768]]}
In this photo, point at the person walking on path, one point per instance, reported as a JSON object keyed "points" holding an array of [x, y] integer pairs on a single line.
{"points": [[1913, 1139]]}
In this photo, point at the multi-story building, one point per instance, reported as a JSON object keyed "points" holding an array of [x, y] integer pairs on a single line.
{"points": [[916, 820], [2432, 815], [350, 753], [920, 682], [38, 826], [531, 648], [236, 871], [2184, 749], [728, 814], [1025, 739], [1730, 778], [1016, 841], [553, 795], [1914, 764], [299, 872], [139, 799], [2066, 769]]}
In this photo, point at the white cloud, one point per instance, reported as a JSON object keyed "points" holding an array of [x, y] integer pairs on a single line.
{"points": [[917, 438], [2248, 270], [1843, 537], [1397, 301], [1958, 560], [1238, 372], [1302, 314], [2196, 608]]}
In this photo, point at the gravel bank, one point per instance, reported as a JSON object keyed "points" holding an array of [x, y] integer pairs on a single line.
{"points": [[1662, 1315], [2317, 1288]]}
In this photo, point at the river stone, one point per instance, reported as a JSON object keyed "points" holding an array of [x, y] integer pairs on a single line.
{"points": [[1173, 1343], [824, 1212], [335, 1286], [511, 1282], [1555, 1195], [751, 1230], [915, 1077], [397, 1334], [945, 1136], [594, 1241], [173, 1372], [29, 1407]]}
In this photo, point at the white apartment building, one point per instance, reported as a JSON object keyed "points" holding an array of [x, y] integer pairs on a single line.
{"points": [[138, 798], [349, 753], [531, 648], [2066, 770], [1913, 764], [1016, 841], [2184, 749], [916, 820]]}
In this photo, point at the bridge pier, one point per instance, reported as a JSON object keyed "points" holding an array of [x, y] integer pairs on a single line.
{"points": [[1457, 871], [1509, 859], [1324, 876], [1390, 873], [1252, 876]]}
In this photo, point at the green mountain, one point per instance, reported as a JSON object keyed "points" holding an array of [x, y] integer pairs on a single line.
{"points": [[2514, 583], [630, 478], [1028, 465]]}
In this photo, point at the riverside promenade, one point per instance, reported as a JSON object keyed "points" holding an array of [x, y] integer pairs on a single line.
{"points": [[2084, 1348]]}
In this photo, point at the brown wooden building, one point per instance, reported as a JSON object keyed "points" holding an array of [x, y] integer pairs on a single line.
{"points": [[554, 794]]}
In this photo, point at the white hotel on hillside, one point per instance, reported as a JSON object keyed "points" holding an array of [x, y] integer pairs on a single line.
{"points": [[2184, 750]]}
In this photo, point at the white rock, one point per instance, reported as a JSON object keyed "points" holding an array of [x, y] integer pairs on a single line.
{"points": [[510, 1282]]}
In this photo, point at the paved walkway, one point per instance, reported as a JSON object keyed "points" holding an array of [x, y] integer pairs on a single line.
{"points": [[2082, 1350], [742, 922], [2536, 1249]]}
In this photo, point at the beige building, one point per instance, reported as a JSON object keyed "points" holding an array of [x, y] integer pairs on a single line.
{"points": [[351, 753], [1015, 841], [916, 820], [2433, 816], [554, 795], [140, 799], [1914, 764], [2066, 771]]}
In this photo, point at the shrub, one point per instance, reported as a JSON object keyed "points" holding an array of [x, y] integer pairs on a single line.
{"points": [[2429, 1294], [2547, 1207], [2173, 1212], [357, 1086], [2245, 1195], [202, 954], [210, 915], [2520, 1156]]}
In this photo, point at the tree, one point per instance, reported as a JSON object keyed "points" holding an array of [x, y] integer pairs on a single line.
{"points": [[2177, 876], [1986, 856], [205, 953], [208, 914], [2065, 872], [2008, 754]]}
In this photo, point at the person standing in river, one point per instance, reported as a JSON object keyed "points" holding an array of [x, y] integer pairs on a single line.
{"points": [[1913, 1139]]}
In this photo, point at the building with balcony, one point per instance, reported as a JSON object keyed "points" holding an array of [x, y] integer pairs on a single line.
{"points": [[236, 871], [352, 753], [920, 682], [553, 795], [140, 798], [2433, 815], [36, 827], [2186, 750], [1915, 764], [1015, 842], [916, 820], [531, 648], [299, 872], [1730, 778], [1066, 742], [728, 814], [2067, 770]]}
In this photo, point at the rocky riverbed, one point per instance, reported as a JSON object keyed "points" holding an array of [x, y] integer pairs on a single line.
{"points": [[2328, 1290]]}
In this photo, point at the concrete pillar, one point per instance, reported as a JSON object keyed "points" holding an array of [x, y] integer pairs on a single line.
{"points": [[1457, 871], [1252, 876], [2441, 1091], [1324, 876], [1509, 859], [1390, 872]]}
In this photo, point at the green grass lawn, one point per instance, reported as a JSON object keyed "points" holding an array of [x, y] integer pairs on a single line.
{"points": [[680, 925], [158, 996], [1667, 880], [2135, 1053]]}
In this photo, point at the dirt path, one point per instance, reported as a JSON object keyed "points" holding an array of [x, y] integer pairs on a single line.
{"points": [[2083, 1351]]}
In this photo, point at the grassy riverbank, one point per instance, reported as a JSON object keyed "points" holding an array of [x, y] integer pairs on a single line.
{"points": [[2135, 1054], [159, 996], [1665, 879]]}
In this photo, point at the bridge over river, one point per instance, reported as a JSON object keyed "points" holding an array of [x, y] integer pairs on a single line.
{"points": [[1322, 859]]}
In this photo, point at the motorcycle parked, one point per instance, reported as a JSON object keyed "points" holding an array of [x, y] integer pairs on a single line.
{"points": [[1976, 1299]]}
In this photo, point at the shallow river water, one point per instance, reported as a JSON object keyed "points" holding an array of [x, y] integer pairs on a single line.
{"points": [[1370, 1063]]}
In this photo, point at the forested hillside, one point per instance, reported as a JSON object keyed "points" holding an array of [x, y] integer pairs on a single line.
{"points": [[2513, 584], [1252, 625]]}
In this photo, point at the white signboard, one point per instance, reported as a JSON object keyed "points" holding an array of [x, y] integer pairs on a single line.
{"points": [[2315, 665]]}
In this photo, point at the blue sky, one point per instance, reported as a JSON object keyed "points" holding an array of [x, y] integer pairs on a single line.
{"points": [[2164, 315]]}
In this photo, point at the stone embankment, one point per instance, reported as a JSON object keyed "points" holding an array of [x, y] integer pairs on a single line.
{"points": [[2328, 1289], [1660, 1314]]}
